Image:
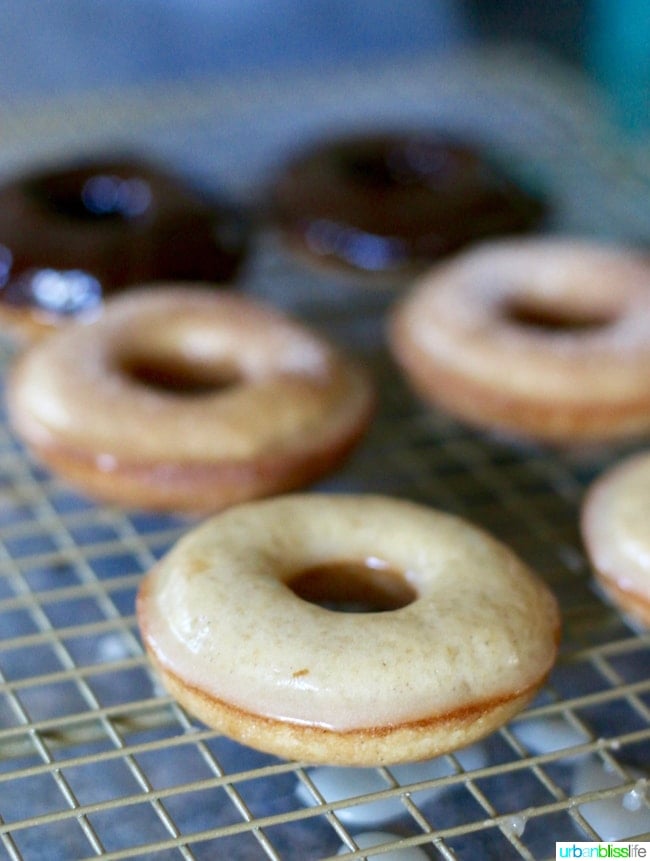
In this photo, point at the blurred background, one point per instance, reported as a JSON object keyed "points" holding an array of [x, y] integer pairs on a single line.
{"points": [[57, 47]]}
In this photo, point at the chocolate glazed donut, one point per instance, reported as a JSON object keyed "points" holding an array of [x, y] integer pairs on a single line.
{"points": [[73, 234], [389, 202]]}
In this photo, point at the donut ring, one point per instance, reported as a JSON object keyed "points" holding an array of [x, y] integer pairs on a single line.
{"points": [[72, 234], [547, 339], [228, 620], [616, 534], [243, 401], [391, 201]]}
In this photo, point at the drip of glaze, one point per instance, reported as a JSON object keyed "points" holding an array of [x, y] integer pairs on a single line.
{"points": [[613, 818], [337, 784], [515, 825], [548, 735], [637, 796]]}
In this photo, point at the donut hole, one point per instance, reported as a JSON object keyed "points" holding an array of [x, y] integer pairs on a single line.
{"points": [[368, 586], [367, 167], [527, 313], [179, 376]]}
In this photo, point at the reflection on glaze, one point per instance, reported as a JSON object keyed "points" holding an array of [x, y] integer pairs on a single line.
{"points": [[90, 195], [71, 235], [69, 292], [356, 247], [6, 262], [104, 195], [387, 201]]}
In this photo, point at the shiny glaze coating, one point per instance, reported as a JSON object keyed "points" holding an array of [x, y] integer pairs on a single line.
{"points": [[546, 339], [187, 398], [389, 202], [73, 234], [248, 655], [616, 531]]}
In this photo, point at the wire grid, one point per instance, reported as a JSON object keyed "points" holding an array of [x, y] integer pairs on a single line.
{"points": [[97, 761]]}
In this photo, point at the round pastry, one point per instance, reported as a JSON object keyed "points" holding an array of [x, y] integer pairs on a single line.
{"points": [[616, 534], [446, 633], [187, 399], [70, 235], [546, 339], [391, 202]]}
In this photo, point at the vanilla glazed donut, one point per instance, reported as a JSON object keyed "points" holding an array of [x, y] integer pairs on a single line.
{"points": [[242, 620], [547, 339], [616, 533], [187, 399], [75, 232]]}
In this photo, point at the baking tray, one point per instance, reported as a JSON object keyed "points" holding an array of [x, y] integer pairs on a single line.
{"points": [[95, 759]]}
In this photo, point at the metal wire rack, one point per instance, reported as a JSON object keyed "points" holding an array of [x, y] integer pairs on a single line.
{"points": [[95, 759]]}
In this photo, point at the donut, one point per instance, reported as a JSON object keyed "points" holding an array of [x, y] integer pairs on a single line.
{"points": [[187, 399], [616, 534], [544, 339], [391, 202], [443, 636], [73, 233]]}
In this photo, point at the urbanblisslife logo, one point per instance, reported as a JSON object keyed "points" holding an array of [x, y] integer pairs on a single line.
{"points": [[602, 850]]}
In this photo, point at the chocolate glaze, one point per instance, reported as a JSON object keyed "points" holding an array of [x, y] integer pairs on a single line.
{"points": [[76, 233], [392, 201]]}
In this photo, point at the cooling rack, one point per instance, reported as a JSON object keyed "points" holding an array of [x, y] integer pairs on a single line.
{"points": [[95, 759]]}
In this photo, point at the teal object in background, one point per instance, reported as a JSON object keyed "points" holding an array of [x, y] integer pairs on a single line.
{"points": [[618, 51]]}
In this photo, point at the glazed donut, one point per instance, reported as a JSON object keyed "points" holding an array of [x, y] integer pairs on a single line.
{"points": [[187, 399], [241, 619], [616, 534], [546, 339], [388, 202], [72, 233]]}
